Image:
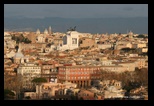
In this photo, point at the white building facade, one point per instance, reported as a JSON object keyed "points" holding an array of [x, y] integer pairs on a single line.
{"points": [[29, 71], [70, 40]]}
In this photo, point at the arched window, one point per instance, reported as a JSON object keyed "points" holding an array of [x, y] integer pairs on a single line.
{"points": [[65, 40]]}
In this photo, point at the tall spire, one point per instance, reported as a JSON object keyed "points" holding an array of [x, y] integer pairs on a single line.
{"points": [[38, 31], [45, 31], [50, 31]]}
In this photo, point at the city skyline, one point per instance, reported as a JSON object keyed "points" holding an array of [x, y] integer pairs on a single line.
{"points": [[72, 65], [76, 52], [92, 18]]}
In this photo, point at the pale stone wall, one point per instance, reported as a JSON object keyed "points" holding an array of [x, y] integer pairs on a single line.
{"points": [[104, 46]]}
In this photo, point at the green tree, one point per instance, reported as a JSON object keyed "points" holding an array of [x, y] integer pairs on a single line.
{"points": [[38, 82], [13, 82], [28, 97], [73, 97], [26, 40], [81, 98], [8, 94], [17, 40], [13, 37], [22, 35], [141, 36]]}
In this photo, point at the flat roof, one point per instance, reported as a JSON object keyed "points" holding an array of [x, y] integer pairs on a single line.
{"points": [[78, 66]]}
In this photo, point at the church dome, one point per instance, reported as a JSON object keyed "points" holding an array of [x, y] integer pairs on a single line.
{"points": [[130, 33], [18, 55]]}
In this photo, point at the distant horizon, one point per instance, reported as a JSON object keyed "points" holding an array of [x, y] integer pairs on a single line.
{"points": [[86, 25], [89, 18], [42, 31]]}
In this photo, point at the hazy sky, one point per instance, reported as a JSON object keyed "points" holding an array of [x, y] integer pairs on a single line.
{"points": [[75, 10]]}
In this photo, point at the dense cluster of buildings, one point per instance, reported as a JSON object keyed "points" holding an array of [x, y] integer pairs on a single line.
{"points": [[72, 61]]}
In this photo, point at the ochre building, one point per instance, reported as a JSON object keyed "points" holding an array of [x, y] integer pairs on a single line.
{"points": [[81, 75]]}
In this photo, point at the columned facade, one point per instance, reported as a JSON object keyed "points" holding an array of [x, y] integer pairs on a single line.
{"points": [[80, 83], [70, 40]]}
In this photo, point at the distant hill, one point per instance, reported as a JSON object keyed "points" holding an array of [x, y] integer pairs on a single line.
{"points": [[88, 25]]}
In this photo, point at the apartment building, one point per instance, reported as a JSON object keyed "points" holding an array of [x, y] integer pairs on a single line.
{"points": [[10, 54], [127, 65], [49, 72], [86, 42], [58, 91], [139, 45], [29, 71], [123, 44], [7, 36], [112, 92], [104, 46], [140, 62], [32, 45], [86, 95], [81, 75]]}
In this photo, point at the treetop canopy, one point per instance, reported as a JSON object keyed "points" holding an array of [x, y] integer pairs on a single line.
{"points": [[39, 80]]}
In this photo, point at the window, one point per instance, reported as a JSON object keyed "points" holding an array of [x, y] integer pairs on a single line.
{"points": [[74, 40], [65, 40]]}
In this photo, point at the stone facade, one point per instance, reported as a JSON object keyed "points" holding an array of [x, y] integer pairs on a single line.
{"points": [[81, 75], [70, 40], [29, 72]]}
